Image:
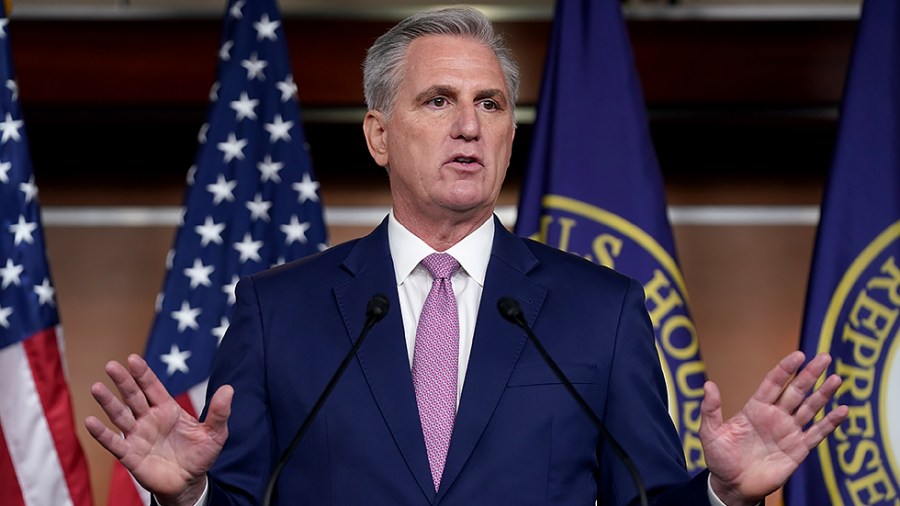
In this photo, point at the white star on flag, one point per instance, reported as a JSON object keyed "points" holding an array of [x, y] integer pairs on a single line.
{"points": [[219, 331], [222, 190], [230, 287], [176, 360], [255, 67], [236, 10], [210, 231], [10, 274], [3, 23], [287, 88], [4, 171], [213, 95], [225, 50], [295, 230], [201, 134], [29, 189], [259, 208], [232, 148], [5, 313], [23, 231], [307, 189], [13, 89], [186, 316], [245, 107], [199, 274], [249, 249], [45, 293], [278, 129], [10, 129], [265, 29], [269, 170]]}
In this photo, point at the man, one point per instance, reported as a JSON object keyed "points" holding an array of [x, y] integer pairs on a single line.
{"points": [[466, 417]]}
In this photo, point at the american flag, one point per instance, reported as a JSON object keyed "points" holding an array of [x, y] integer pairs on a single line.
{"points": [[41, 461], [252, 202]]}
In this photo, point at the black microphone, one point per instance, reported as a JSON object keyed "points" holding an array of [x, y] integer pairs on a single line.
{"points": [[511, 310], [376, 309]]}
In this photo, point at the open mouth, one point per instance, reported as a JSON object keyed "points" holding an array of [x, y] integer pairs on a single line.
{"points": [[465, 160]]}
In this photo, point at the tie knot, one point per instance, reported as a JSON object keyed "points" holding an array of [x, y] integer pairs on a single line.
{"points": [[440, 265]]}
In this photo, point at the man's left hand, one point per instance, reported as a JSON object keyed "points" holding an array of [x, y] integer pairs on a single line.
{"points": [[754, 452]]}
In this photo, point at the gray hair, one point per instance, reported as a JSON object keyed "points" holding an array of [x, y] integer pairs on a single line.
{"points": [[384, 66]]}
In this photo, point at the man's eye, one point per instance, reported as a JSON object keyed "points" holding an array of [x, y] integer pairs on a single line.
{"points": [[490, 105], [438, 101]]}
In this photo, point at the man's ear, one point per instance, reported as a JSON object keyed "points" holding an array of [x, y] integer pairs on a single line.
{"points": [[374, 128]]}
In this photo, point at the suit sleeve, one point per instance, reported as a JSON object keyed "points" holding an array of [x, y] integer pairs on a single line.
{"points": [[240, 473], [637, 415]]}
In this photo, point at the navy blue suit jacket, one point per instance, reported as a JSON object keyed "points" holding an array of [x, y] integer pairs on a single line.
{"points": [[519, 438]]}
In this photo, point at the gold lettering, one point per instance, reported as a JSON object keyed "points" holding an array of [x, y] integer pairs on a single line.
{"points": [[693, 449], [876, 486], [859, 423], [866, 349], [891, 283], [876, 317], [663, 303], [857, 380], [859, 455], [565, 233], [607, 248], [693, 452], [672, 324], [541, 235], [682, 374]]}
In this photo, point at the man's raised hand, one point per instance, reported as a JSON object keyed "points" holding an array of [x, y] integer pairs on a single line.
{"points": [[166, 449]]}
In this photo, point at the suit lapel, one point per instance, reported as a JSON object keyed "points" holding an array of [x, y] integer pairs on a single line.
{"points": [[384, 357], [495, 348]]}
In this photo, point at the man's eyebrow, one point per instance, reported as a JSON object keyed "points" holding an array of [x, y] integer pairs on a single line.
{"points": [[434, 91], [496, 94]]}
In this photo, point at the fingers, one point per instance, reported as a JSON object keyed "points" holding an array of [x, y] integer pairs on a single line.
{"points": [[796, 390], [106, 437], [773, 384], [710, 409], [119, 414], [824, 427], [131, 393], [153, 389], [219, 411], [817, 400]]}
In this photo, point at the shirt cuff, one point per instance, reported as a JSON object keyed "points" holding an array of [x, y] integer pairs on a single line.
{"points": [[713, 498], [204, 497]]}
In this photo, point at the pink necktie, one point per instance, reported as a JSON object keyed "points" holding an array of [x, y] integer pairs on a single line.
{"points": [[435, 361]]}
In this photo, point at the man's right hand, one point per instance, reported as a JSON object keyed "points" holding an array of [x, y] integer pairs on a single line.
{"points": [[166, 449]]}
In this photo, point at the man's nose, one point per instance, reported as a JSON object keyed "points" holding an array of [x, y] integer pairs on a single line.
{"points": [[467, 124]]}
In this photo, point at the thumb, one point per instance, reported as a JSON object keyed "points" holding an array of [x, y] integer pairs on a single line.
{"points": [[711, 409], [219, 410]]}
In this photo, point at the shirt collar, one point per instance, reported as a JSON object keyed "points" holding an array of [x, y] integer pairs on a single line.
{"points": [[472, 253]]}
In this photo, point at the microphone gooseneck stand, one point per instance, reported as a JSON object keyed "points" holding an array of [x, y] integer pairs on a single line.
{"points": [[512, 311], [376, 309]]}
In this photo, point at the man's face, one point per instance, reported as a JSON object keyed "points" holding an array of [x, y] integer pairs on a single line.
{"points": [[448, 139]]}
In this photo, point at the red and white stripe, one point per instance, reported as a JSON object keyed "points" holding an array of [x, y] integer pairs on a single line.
{"points": [[41, 461]]}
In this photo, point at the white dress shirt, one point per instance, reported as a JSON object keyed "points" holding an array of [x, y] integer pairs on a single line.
{"points": [[414, 282]]}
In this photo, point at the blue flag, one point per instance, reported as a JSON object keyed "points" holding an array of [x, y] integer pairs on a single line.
{"points": [[853, 301], [252, 200], [593, 187]]}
